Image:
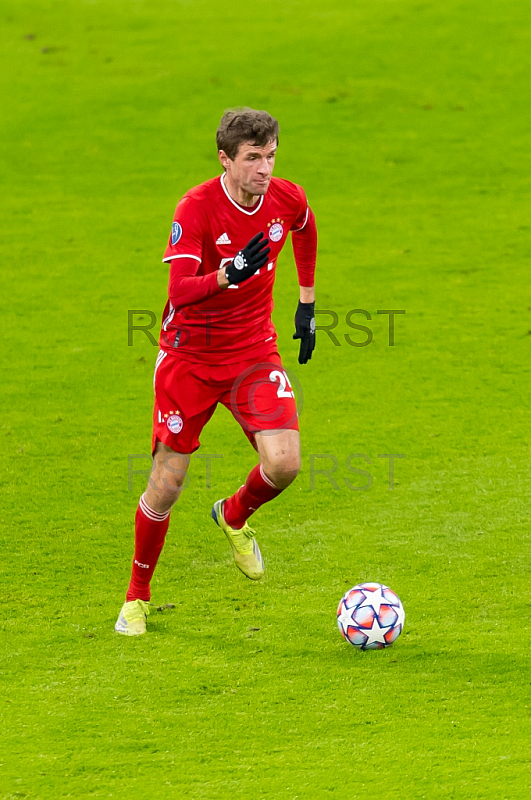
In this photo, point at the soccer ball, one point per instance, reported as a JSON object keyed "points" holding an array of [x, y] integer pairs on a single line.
{"points": [[370, 616]]}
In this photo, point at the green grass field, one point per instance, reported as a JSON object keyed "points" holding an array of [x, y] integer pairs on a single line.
{"points": [[407, 122]]}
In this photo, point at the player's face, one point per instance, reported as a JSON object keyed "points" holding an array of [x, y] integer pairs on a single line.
{"points": [[250, 171]]}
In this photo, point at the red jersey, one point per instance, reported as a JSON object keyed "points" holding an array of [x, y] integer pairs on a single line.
{"points": [[209, 227]]}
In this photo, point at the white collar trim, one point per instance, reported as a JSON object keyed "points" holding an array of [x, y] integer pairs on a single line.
{"points": [[234, 203]]}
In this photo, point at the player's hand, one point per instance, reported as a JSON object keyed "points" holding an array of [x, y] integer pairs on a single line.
{"points": [[253, 256], [305, 330]]}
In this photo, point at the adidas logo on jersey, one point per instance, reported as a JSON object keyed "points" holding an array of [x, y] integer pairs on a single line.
{"points": [[223, 239]]}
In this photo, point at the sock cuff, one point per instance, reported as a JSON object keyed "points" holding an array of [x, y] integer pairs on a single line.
{"points": [[154, 516], [266, 479]]}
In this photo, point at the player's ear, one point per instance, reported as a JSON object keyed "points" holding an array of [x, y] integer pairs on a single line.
{"points": [[223, 157]]}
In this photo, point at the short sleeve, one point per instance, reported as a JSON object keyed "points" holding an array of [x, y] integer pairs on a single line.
{"points": [[186, 235], [302, 216]]}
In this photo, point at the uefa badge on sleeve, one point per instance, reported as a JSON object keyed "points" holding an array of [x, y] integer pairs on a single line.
{"points": [[176, 233]]}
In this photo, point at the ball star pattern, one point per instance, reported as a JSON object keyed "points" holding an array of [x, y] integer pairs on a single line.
{"points": [[370, 616]]}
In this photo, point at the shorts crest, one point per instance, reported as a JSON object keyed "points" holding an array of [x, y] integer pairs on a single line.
{"points": [[174, 423]]}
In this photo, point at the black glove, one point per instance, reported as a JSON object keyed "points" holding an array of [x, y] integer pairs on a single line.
{"points": [[305, 330], [247, 261]]}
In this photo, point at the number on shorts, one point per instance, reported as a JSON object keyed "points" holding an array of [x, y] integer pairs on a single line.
{"points": [[283, 380]]}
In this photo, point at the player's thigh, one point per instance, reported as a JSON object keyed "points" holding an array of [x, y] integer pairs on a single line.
{"points": [[184, 402], [261, 399]]}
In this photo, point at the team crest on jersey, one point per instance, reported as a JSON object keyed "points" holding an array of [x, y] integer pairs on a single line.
{"points": [[176, 233], [174, 423], [276, 231]]}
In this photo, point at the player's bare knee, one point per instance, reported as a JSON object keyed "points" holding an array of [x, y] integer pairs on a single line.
{"points": [[166, 482], [283, 472], [163, 491], [169, 470], [286, 477]]}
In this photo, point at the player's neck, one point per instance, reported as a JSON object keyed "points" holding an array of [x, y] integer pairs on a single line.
{"points": [[240, 196]]}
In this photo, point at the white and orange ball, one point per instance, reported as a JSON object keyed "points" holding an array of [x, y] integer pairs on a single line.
{"points": [[370, 616]]}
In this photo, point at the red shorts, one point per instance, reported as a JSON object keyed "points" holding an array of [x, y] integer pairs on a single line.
{"points": [[258, 393]]}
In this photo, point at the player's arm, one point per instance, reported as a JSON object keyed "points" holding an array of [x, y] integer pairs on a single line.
{"points": [[184, 253], [185, 288], [304, 240]]}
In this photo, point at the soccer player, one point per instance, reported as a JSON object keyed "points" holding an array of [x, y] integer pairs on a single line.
{"points": [[218, 343]]}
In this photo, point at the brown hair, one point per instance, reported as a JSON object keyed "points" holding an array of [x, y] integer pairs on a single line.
{"points": [[239, 125]]}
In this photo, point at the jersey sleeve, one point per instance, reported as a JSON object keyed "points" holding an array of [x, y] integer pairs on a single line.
{"points": [[185, 288], [305, 250], [302, 216], [187, 231]]}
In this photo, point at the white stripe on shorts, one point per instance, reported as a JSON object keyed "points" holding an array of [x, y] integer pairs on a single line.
{"points": [[160, 358]]}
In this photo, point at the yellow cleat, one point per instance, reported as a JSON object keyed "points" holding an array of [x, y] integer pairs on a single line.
{"points": [[132, 619], [245, 548]]}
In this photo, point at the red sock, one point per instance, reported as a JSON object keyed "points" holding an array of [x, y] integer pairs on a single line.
{"points": [[258, 489], [150, 532]]}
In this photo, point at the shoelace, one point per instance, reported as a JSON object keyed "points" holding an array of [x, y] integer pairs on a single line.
{"points": [[139, 612], [248, 532]]}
